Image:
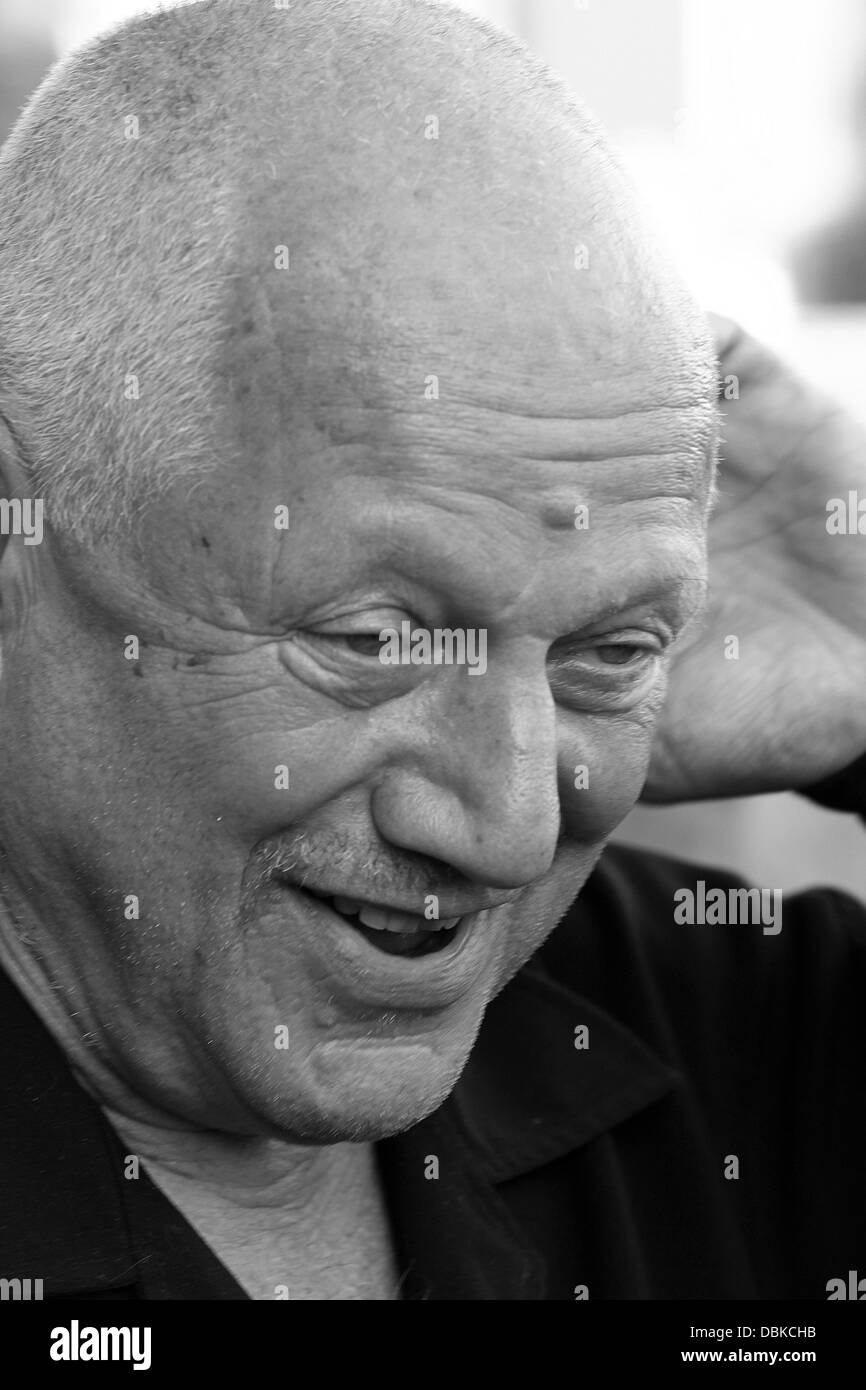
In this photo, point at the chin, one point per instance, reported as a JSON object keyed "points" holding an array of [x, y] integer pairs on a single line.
{"points": [[364, 1091]]}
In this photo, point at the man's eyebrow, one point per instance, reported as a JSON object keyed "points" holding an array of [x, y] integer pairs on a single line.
{"points": [[679, 593]]}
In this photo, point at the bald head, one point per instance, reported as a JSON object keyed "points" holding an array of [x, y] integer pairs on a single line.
{"points": [[207, 185]]}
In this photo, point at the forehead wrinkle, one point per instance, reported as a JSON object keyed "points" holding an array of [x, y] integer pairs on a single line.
{"points": [[677, 402], [465, 510], [532, 492], [680, 506], [516, 436], [630, 434], [638, 478]]}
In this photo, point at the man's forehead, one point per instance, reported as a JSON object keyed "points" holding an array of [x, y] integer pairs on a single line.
{"points": [[390, 266], [457, 400], [436, 398], [474, 509], [454, 380], [488, 558], [467, 529], [439, 321], [450, 443]]}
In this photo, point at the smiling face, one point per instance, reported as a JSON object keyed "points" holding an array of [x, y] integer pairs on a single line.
{"points": [[469, 432]]}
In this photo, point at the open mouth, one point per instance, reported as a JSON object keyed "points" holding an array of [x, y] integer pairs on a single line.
{"points": [[396, 933]]}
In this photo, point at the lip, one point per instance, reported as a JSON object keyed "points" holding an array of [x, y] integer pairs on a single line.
{"points": [[373, 978]]}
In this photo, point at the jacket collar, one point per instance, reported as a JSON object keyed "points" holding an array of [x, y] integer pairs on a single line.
{"points": [[526, 1098], [529, 1096]]}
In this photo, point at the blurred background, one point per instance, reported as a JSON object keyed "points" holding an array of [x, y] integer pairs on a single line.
{"points": [[745, 127]]}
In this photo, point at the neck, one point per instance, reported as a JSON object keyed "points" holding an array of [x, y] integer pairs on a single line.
{"points": [[250, 1173], [287, 1220], [252, 1170]]}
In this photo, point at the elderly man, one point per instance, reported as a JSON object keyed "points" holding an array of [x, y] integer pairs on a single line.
{"points": [[334, 322]]}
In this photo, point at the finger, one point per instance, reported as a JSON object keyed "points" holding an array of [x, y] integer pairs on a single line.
{"points": [[726, 333], [746, 357]]}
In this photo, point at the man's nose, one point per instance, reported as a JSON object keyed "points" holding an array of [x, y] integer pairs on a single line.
{"points": [[477, 786]]}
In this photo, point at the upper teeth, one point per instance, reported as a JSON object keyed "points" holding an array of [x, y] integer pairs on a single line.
{"points": [[387, 919]]}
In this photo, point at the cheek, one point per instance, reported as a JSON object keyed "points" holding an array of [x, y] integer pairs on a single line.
{"points": [[602, 768], [258, 767], [544, 905], [603, 765]]}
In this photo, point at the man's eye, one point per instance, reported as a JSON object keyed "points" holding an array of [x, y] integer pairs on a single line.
{"points": [[343, 646], [603, 654], [362, 643], [617, 673], [617, 653]]}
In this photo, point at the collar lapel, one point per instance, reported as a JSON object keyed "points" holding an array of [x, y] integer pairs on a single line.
{"points": [[527, 1097]]}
